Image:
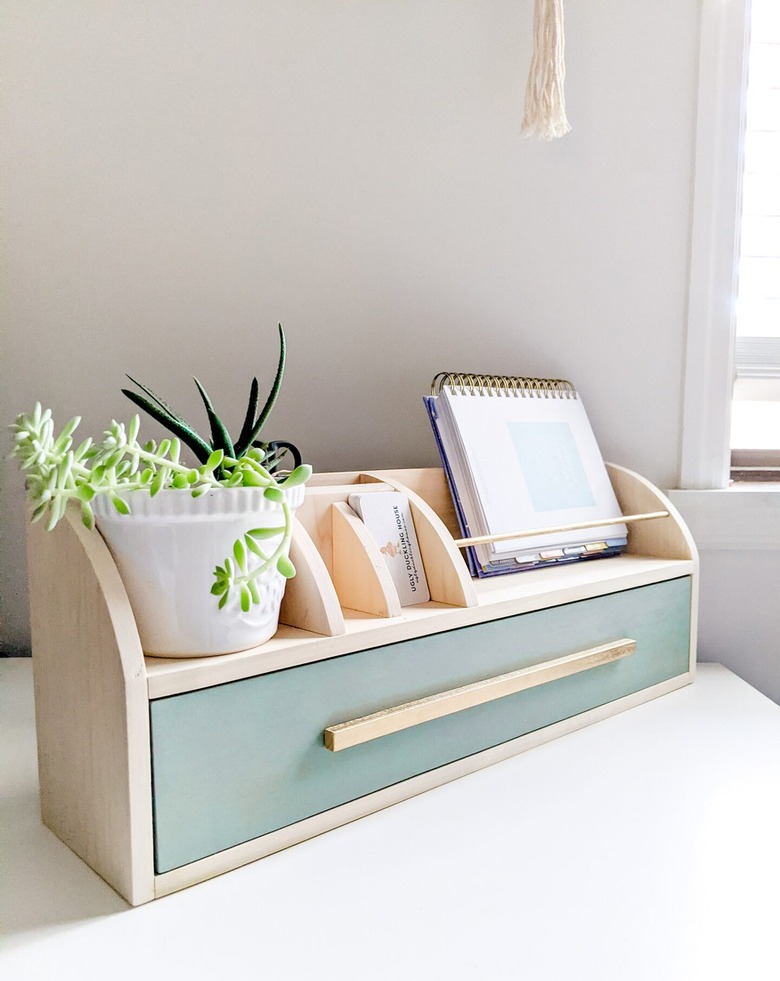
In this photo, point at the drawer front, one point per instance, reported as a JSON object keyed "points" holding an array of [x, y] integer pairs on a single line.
{"points": [[239, 760]]}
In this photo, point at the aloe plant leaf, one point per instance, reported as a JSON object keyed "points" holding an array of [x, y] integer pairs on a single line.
{"points": [[220, 437], [178, 427], [245, 436], [164, 407], [276, 450], [269, 403]]}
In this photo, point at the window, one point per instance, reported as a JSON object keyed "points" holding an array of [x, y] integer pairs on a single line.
{"points": [[721, 514], [755, 417]]}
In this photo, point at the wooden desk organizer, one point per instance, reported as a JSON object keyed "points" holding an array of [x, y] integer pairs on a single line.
{"points": [[160, 772]]}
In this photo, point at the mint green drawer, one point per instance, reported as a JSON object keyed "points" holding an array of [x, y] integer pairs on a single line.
{"points": [[239, 760]]}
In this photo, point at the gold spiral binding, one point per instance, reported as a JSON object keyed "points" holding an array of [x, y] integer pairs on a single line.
{"points": [[493, 386]]}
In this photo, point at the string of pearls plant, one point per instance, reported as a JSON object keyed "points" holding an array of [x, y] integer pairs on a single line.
{"points": [[119, 465]]}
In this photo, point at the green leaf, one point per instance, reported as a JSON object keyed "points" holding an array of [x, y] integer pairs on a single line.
{"points": [[269, 404], [85, 493], [285, 567], [121, 505], [260, 533], [240, 554], [251, 479], [245, 436], [252, 586], [299, 476], [220, 437], [87, 517], [273, 494], [172, 423], [218, 589], [215, 460], [246, 598], [179, 481], [223, 600], [252, 545], [157, 483]]}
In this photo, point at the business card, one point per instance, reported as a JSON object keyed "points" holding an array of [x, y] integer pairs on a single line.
{"points": [[387, 516]]}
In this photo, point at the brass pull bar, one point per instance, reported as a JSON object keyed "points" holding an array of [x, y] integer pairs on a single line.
{"points": [[399, 717]]}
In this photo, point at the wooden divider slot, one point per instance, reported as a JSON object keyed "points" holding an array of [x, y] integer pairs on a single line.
{"points": [[310, 600], [448, 577], [360, 575]]}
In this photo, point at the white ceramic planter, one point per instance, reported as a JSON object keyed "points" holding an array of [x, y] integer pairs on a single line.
{"points": [[166, 551]]}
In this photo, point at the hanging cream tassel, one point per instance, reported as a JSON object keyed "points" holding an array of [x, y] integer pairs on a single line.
{"points": [[545, 107]]}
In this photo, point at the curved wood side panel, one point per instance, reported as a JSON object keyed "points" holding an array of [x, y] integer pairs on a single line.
{"points": [[91, 707], [362, 580], [310, 601], [666, 538], [445, 569]]}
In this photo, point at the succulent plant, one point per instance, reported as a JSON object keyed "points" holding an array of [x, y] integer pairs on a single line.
{"points": [[119, 465], [274, 450]]}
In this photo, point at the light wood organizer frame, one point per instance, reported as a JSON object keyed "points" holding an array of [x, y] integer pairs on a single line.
{"points": [[93, 685]]}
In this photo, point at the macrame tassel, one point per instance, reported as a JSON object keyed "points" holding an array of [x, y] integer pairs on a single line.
{"points": [[545, 106]]}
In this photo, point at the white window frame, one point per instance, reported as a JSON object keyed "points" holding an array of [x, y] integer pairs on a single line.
{"points": [[720, 516], [709, 373]]}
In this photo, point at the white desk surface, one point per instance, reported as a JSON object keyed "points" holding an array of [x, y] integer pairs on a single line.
{"points": [[644, 847]]}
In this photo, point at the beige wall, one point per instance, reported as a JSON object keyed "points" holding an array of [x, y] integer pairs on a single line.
{"points": [[182, 174]]}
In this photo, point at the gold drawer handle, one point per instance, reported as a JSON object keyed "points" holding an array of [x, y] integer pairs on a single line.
{"points": [[409, 714]]}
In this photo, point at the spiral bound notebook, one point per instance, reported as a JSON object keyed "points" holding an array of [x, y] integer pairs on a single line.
{"points": [[520, 454]]}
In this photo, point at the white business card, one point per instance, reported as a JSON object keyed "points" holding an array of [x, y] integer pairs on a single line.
{"points": [[387, 516]]}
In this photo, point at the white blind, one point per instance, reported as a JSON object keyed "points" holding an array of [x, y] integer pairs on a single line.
{"points": [[758, 301], [755, 419]]}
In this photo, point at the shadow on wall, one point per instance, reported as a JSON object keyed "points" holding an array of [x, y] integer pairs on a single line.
{"points": [[12, 650]]}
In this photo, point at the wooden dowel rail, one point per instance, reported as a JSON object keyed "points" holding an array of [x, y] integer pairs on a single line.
{"points": [[579, 526]]}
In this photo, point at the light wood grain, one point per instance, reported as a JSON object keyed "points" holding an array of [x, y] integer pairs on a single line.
{"points": [[500, 596], [448, 577], [429, 483], [310, 601], [314, 514], [398, 717], [669, 538], [94, 758], [91, 707], [360, 574]]}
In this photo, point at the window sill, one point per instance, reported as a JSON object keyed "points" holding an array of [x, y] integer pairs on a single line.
{"points": [[740, 517]]}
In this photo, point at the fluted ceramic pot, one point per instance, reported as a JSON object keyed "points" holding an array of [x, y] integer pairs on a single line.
{"points": [[166, 551]]}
